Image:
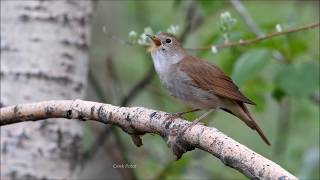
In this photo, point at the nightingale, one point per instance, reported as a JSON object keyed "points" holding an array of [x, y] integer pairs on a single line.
{"points": [[198, 83]]}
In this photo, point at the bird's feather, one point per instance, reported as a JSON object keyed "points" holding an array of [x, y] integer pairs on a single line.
{"points": [[209, 77]]}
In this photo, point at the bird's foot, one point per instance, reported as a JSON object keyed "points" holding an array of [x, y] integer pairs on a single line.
{"points": [[196, 121], [180, 114], [174, 116]]}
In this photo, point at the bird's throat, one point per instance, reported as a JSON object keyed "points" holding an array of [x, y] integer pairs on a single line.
{"points": [[164, 62]]}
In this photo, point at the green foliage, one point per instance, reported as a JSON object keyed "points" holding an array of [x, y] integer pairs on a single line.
{"points": [[210, 6], [250, 64], [286, 66], [299, 79]]}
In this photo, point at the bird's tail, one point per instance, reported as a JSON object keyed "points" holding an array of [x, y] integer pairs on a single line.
{"points": [[241, 111]]}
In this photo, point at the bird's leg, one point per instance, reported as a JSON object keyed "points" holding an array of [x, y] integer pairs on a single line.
{"points": [[196, 121], [180, 114]]}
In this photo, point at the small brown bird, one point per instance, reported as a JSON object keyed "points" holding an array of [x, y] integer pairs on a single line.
{"points": [[198, 83]]}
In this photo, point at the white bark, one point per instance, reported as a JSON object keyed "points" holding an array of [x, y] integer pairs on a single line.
{"points": [[138, 121], [44, 55]]}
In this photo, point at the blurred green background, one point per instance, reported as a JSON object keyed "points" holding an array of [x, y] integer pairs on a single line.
{"points": [[280, 74]]}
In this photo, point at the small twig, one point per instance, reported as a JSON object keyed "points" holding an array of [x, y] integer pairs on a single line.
{"points": [[192, 20], [139, 120], [252, 41], [246, 42], [95, 85], [139, 86], [246, 17], [113, 79], [127, 173]]}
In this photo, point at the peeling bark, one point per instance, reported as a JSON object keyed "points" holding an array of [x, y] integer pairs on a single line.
{"points": [[44, 55], [138, 121]]}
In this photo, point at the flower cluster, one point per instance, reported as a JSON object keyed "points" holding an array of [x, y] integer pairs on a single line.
{"points": [[142, 39], [226, 23]]}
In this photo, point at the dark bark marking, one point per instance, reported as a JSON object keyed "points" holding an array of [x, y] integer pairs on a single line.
{"points": [[168, 124], [282, 178], [67, 56], [128, 118], [62, 79], [153, 114], [35, 39], [78, 87], [24, 18], [30, 117], [81, 117], [92, 111], [15, 110], [70, 68], [68, 114], [48, 110], [82, 45], [102, 114], [4, 147]]}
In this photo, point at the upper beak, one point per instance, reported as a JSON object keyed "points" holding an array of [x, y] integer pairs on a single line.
{"points": [[154, 39]]}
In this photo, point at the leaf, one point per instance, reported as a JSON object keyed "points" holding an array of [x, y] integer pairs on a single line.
{"points": [[299, 79], [278, 94], [256, 90], [250, 64]]}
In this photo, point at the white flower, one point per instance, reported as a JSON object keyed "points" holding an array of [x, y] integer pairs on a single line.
{"points": [[278, 28], [132, 33], [225, 15], [214, 49], [132, 36], [143, 39], [148, 30], [173, 29]]}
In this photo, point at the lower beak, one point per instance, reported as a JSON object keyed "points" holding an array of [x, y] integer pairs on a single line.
{"points": [[156, 41]]}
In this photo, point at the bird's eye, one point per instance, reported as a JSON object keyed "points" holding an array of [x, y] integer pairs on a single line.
{"points": [[168, 40]]}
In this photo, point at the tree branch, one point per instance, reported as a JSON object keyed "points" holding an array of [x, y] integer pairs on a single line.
{"points": [[252, 41], [138, 121], [245, 42], [140, 85], [246, 17]]}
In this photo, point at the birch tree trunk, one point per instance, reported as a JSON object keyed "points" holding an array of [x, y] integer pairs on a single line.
{"points": [[44, 55]]}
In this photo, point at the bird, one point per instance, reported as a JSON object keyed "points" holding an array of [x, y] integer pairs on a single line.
{"points": [[198, 83]]}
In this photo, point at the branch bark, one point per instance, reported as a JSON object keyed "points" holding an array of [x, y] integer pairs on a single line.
{"points": [[138, 121], [246, 17]]}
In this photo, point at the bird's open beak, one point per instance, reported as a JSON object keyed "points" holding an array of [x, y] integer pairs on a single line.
{"points": [[156, 41]]}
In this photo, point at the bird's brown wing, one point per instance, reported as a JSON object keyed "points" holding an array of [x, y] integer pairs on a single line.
{"points": [[209, 77]]}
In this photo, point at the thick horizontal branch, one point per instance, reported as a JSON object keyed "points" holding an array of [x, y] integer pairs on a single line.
{"points": [[138, 121]]}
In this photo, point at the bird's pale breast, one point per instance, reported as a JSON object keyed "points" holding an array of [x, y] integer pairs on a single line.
{"points": [[180, 86]]}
